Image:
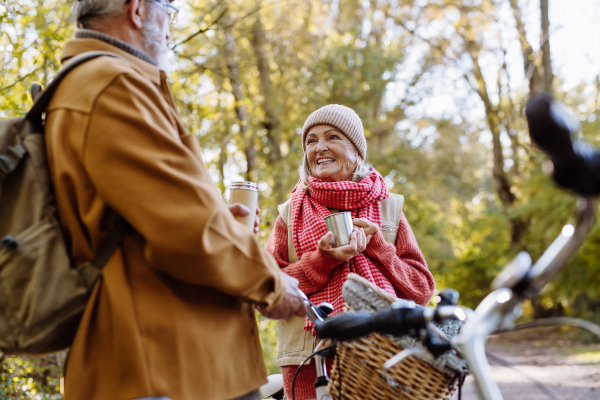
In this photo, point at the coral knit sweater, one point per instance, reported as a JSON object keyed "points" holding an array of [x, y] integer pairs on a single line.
{"points": [[403, 265]]}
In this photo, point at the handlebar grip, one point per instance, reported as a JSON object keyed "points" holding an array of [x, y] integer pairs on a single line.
{"points": [[346, 326], [357, 324], [550, 128], [576, 163]]}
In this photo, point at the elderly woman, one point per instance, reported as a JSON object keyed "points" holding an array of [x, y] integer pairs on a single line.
{"points": [[382, 249]]}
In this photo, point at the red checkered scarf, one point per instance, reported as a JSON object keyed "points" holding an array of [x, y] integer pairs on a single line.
{"points": [[309, 209]]}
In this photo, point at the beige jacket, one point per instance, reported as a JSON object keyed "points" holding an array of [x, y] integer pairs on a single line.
{"points": [[174, 313], [294, 344]]}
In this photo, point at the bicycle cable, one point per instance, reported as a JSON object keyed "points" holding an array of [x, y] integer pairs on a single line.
{"points": [[302, 364], [541, 386], [583, 324]]}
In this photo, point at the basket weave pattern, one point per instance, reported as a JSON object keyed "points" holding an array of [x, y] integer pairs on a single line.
{"points": [[358, 373]]}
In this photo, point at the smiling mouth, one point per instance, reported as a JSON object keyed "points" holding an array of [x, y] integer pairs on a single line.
{"points": [[325, 161]]}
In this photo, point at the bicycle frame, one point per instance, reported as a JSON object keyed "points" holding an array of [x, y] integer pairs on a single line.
{"points": [[502, 306]]}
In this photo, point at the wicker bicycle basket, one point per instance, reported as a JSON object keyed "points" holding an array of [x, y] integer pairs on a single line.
{"points": [[358, 373]]}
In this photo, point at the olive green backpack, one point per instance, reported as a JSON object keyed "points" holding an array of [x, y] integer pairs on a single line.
{"points": [[42, 295]]}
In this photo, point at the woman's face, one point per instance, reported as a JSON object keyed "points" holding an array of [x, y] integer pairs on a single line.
{"points": [[331, 156]]}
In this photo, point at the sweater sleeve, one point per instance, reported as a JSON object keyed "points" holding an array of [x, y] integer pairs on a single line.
{"points": [[403, 265], [314, 269]]}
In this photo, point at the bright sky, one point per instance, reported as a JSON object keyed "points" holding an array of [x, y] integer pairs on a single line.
{"points": [[575, 51], [574, 38]]}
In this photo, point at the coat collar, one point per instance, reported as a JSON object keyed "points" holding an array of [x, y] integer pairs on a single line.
{"points": [[78, 46], [91, 34]]}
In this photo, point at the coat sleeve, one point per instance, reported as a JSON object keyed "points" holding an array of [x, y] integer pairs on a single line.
{"points": [[140, 167], [403, 265], [314, 269]]}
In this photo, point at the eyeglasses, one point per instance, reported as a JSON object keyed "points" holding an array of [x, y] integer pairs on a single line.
{"points": [[172, 11]]}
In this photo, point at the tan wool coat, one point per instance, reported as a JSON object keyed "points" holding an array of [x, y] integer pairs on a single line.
{"points": [[173, 315]]}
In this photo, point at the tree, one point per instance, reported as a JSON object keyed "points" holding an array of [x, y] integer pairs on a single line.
{"points": [[32, 34], [545, 47], [230, 55]]}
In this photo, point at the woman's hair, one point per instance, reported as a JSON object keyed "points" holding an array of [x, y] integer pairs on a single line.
{"points": [[363, 169], [91, 13]]}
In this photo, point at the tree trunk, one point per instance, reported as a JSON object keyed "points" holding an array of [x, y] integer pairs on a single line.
{"points": [[508, 119], [271, 116], [226, 136], [222, 162], [500, 178], [531, 70], [229, 52], [545, 46]]}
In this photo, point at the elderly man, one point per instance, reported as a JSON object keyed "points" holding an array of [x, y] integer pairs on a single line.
{"points": [[173, 316]]}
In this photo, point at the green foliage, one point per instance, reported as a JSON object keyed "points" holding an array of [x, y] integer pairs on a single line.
{"points": [[31, 37], [267, 329], [31, 378]]}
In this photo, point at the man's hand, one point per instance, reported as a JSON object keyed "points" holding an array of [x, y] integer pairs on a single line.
{"points": [[291, 304], [370, 228], [242, 211], [358, 244]]}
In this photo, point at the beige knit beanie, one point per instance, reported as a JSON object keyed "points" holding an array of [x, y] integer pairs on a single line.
{"points": [[342, 118]]}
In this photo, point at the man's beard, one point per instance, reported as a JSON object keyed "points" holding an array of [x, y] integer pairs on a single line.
{"points": [[155, 43]]}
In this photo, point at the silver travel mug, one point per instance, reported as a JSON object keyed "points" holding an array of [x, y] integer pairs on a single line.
{"points": [[341, 226]]}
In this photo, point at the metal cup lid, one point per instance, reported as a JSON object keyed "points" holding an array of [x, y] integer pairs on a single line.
{"points": [[338, 213], [245, 185]]}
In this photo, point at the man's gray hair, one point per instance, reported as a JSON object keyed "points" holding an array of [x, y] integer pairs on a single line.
{"points": [[92, 13], [363, 169]]}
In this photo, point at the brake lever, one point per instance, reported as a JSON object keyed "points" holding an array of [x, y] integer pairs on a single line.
{"points": [[311, 309]]}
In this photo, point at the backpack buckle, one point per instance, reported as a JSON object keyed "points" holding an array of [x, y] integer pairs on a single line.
{"points": [[6, 165], [9, 242], [10, 160]]}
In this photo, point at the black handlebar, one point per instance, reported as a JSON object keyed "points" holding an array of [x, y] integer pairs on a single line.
{"points": [[576, 164], [550, 128], [399, 321], [357, 324], [347, 326]]}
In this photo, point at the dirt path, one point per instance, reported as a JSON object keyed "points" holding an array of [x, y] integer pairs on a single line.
{"points": [[569, 369]]}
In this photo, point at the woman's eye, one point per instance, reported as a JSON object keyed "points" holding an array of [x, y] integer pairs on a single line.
{"points": [[334, 137]]}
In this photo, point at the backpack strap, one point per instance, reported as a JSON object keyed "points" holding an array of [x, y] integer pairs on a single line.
{"points": [[391, 212], [285, 210], [111, 243], [41, 102], [42, 99]]}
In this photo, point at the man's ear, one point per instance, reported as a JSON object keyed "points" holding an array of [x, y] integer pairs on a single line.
{"points": [[134, 11]]}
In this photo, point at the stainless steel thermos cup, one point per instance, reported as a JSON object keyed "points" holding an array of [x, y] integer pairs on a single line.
{"points": [[340, 224]]}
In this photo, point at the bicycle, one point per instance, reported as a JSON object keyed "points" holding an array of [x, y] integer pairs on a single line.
{"points": [[576, 167]]}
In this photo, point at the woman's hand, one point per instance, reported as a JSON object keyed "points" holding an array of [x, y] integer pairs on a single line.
{"points": [[358, 244], [370, 228]]}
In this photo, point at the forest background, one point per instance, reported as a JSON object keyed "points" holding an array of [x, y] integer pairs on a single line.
{"points": [[440, 86]]}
